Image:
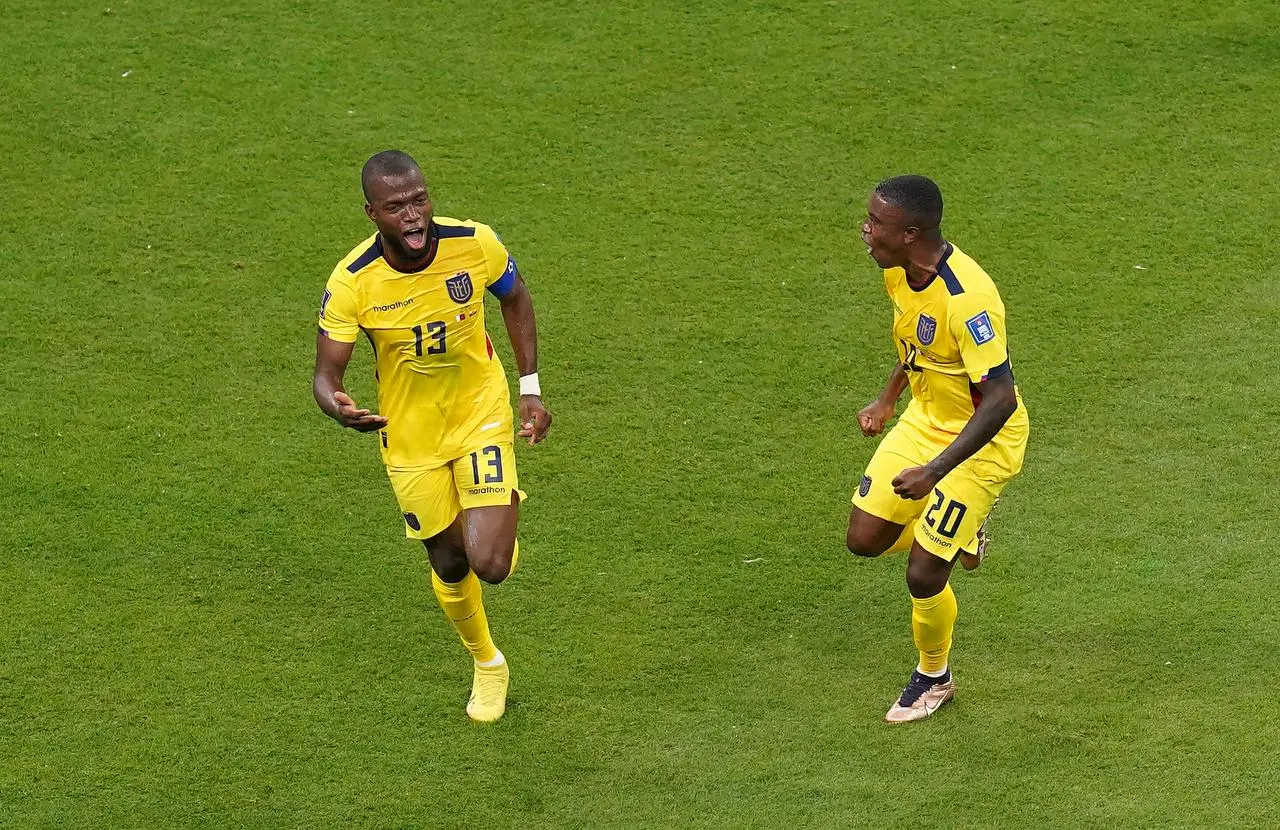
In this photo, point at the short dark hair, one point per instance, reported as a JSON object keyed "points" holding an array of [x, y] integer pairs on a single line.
{"points": [[386, 163], [916, 196]]}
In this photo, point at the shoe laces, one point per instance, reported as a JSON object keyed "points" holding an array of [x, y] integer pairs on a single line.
{"points": [[917, 686]]}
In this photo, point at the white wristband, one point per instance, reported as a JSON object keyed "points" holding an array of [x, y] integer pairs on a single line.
{"points": [[529, 385]]}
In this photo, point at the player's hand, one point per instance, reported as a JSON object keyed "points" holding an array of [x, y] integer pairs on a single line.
{"points": [[916, 482], [535, 420], [873, 416], [357, 419]]}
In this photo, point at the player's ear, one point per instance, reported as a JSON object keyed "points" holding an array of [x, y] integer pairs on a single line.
{"points": [[910, 233], [368, 211]]}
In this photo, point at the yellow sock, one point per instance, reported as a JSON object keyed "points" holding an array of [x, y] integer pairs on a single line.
{"points": [[515, 557], [464, 606], [905, 539], [932, 621]]}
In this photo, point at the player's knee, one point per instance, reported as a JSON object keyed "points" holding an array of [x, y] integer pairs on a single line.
{"points": [[861, 543], [924, 578], [449, 563], [492, 562]]}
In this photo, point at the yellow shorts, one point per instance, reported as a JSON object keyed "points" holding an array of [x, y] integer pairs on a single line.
{"points": [[431, 499], [948, 519]]}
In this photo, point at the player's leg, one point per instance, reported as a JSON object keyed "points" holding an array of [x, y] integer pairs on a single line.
{"points": [[463, 604], [488, 490], [1000, 463], [492, 547], [872, 536], [486, 484], [955, 510], [975, 553], [459, 592], [933, 619], [881, 521], [433, 515]]}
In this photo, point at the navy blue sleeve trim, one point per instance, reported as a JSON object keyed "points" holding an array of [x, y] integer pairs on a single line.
{"points": [[1005, 368], [370, 254], [505, 284]]}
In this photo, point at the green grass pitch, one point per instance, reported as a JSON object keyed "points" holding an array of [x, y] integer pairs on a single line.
{"points": [[209, 617]]}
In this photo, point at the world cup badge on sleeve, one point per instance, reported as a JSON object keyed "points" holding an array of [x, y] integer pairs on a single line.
{"points": [[981, 329], [926, 328], [459, 286]]}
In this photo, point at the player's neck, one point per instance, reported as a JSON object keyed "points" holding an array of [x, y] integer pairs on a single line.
{"points": [[922, 266]]}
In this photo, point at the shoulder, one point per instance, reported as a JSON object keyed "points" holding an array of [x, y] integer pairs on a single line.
{"points": [[964, 275], [484, 235], [968, 285], [359, 258], [487, 244], [463, 229]]}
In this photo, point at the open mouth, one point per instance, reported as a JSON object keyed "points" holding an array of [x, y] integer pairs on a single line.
{"points": [[416, 239]]}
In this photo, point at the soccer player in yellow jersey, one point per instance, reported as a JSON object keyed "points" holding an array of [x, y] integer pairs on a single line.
{"points": [[416, 290], [934, 478]]}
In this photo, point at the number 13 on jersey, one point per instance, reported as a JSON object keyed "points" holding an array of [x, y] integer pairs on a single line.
{"points": [[435, 331]]}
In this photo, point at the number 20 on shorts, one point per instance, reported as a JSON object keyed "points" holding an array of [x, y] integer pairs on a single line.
{"points": [[949, 523]]}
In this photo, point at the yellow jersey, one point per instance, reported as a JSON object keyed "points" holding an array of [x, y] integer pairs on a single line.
{"points": [[440, 385], [950, 336]]}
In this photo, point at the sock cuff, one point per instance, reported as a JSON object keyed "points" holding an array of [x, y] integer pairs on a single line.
{"points": [[453, 589], [929, 603]]}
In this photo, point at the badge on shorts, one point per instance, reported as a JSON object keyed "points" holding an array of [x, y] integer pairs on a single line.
{"points": [[412, 521], [864, 486], [926, 328], [981, 329], [459, 286]]}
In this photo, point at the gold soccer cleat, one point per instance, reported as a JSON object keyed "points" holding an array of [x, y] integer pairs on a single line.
{"points": [[489, 692], [923, 696]]}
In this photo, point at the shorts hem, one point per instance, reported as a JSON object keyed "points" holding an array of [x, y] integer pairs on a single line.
{"points": [[422, 535], [866, 509]]}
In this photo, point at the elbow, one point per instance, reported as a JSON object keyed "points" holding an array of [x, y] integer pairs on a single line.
{"points": [[1011, 404], [1008, 405]]}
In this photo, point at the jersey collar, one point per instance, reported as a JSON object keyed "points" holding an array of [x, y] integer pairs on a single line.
{"points": [[946, 252], [433, 246]]}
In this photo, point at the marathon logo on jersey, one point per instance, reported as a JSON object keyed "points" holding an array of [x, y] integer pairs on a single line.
{"points": [[393, 306], [926, 329], [981, 329], [324, 301], [865, 486], [459, 285]]}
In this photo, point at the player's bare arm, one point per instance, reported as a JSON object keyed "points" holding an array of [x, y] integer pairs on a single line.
{"points": [[999, 402], [873, 416], [522, 328], [332, 358]]}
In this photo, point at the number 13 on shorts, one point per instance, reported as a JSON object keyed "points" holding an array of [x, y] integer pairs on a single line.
{"points": [[486, 475], [492, 465]]}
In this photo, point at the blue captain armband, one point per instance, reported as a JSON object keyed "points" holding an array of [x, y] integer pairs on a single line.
{"points": [[505, 284]]}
